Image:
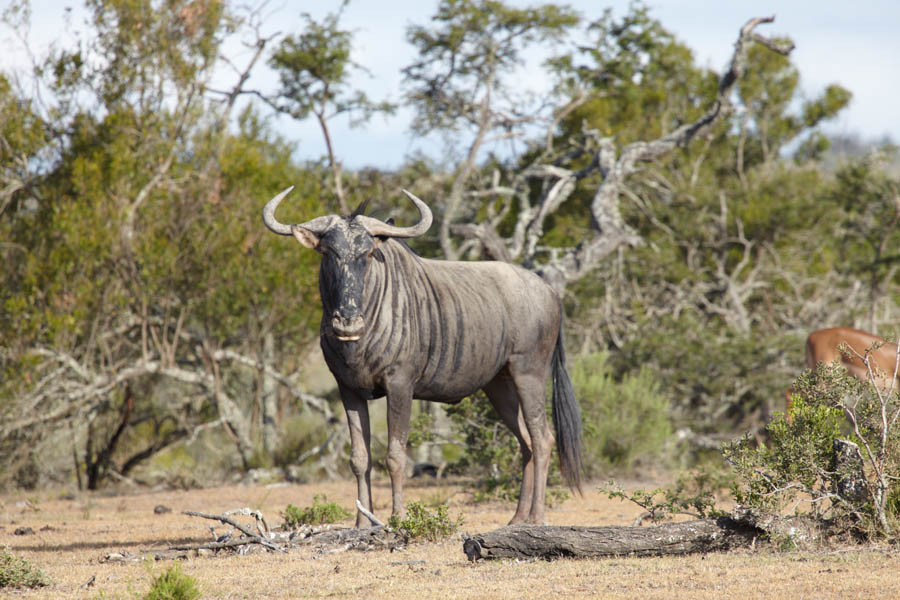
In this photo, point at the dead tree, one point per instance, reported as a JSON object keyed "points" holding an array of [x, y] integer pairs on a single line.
{"points": [[557, 179]]}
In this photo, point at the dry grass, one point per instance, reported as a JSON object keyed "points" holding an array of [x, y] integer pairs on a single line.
{"points": [[73, 536]]}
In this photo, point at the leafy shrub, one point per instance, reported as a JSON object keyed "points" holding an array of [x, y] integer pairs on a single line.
{"points": [[492, 452], [300, 433], [795, 462], [692, 494], [800, 464], [16, 572], [625, 422], [422, 524], [319, 513], [174, 584], [715, 377], [421, 430]]}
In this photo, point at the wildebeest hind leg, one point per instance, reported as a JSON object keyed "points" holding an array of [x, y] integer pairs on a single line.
{"points": [[503, 396], [531, 389], [357, 410], [399, 406]]}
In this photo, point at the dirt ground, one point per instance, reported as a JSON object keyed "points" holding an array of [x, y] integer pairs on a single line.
{"points": [[73, 535]]}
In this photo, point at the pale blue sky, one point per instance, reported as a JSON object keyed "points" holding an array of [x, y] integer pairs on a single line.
{"points": [[854, 44]]}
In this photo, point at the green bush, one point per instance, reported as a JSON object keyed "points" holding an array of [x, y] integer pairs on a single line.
{"points": [[716, 379], [799, 464], [174, 584], [16, 572], [625, 422], [300, 433], [795, 461], [319, 513], [491, 453], [422, 524], [692, 494]]}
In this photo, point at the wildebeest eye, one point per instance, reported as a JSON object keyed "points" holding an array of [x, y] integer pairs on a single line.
{"points": [[377, 255]]}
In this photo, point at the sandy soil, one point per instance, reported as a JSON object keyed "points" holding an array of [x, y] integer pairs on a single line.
{"points": [[73, 536]]}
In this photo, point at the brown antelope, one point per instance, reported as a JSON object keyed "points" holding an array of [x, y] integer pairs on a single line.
{"points": [[827, 346]]}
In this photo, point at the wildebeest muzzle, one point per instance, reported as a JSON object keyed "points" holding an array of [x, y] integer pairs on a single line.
{"points": [[347, 329]]}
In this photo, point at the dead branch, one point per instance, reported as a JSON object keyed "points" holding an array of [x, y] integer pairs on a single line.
{"points": [[261, 526], [249, 536], [609, 231], [326, 538], [368, 514]]}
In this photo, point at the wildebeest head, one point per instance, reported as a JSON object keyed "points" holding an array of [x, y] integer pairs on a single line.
{"points": [[347, 245]]}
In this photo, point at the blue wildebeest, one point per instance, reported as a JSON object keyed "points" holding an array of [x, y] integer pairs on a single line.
{"points": [[399, 325]]}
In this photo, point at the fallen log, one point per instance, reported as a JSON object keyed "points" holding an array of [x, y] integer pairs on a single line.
{"points": [[740, 530]]}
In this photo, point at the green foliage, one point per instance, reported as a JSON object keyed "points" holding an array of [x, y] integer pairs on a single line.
{"points": [[144, 215], [868, 228], [626, 422], [795, 461], [832, 101], [800, 462], [693, 494], [706, 303], [300, 433], [319, 513], [699, 360], [645, 78], [16, 572], [316, 73], [472, 48], [491, 449], [491, 453], [423, 524], [174, 584], [421, 429]]}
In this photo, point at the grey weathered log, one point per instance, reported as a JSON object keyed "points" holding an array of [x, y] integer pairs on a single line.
{"points": [[524, 541], [739, 530]]}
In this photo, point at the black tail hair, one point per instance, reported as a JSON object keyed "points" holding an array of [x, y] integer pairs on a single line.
{"points": [[566, 417]]}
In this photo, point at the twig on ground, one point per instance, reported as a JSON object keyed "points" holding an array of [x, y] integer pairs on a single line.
{"points": [[369, 515]]}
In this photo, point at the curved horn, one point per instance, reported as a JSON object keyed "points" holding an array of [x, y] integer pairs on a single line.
{"points": [[268, 214], [378, 227], [317, 225]]}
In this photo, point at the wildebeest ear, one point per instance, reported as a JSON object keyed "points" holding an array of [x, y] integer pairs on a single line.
{"points": [[377, 255], [305, 237]]}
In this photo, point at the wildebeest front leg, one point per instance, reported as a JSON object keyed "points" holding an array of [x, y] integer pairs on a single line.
{"points": [[357, 409], [399, 406]]}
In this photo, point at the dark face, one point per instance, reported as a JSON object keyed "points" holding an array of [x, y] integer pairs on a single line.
{"points": [[346, 249]]}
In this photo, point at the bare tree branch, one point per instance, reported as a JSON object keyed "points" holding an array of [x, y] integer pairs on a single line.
{"points": [[609, 231]]}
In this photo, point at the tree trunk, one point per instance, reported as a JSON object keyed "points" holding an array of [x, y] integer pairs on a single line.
{"points": [[97, 464], [739, 530]]}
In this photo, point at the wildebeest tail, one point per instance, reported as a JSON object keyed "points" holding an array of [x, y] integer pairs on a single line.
{"points": [[566, 417]]}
